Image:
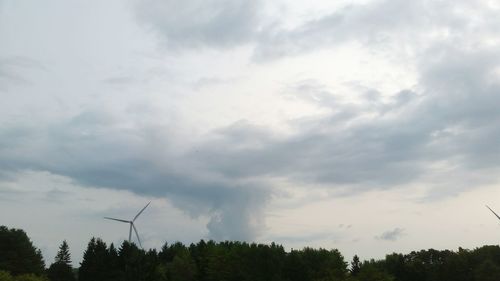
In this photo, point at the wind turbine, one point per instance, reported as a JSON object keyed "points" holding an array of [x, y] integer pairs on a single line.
{"points": [[493, 212], [132, 226]]}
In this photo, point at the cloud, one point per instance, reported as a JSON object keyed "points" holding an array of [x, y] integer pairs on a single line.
{"points": [[366, 23], [11, 69], [198, 23], [433, 136], [391, 235], [221, 23], [411, 26], [90, 149], [441, 133]]}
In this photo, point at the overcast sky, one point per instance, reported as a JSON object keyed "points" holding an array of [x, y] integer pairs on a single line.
{"points": [[370, 126]]}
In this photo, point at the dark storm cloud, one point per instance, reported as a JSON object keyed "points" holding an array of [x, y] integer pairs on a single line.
{"points": [[90, 150], [198, 23], [391, 235]]}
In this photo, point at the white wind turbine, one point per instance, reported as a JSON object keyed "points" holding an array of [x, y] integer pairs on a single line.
{"points": [[132, 226]]}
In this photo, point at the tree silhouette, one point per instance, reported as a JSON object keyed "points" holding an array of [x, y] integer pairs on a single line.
{"points": [[17, 253], [355, 265], [61, 269], [63, 256]]}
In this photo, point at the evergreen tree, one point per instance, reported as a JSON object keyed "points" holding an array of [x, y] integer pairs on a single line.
{"points": [[94, 265], [132, 262], [17, 253], [63, 256], [61, 269], [182, 267], [355, 265]]}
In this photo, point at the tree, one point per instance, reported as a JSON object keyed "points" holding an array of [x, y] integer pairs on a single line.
{"points": [[63, 256], [29, 277], [355, 265], [5, 276], [17, 253], [182, 267], [487, 271], [61, 269], [371, 273], [95, 262]]}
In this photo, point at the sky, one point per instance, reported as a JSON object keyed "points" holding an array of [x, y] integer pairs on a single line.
{"points": [[369, 126]]}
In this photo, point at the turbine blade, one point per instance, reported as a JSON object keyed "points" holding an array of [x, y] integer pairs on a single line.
{"points": [[117, 220], [493, 212], [138, 214], [137, 234]]}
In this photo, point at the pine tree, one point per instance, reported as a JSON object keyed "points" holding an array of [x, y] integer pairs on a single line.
{"points": [[61, 269], [63, 256], [95, 263], [355, 265], [17, 253]]}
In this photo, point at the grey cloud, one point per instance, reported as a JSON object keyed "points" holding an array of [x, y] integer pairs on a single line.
{"points": [[375, 23], [120, 80], [326, 150], [454, 120], [221, 23], [57, 195], [10, 194], [391, 235], [225, 175], [11, 69], [198, 23], [390, 24], [92, 151], [211, 81]]}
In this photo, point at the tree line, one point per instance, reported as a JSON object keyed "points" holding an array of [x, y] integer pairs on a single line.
{"points": [[20, 260]]}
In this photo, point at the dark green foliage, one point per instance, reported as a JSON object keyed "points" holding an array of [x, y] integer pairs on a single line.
{"points": [[96, 262], [487, 271], [209, 261], [481, 264], [5, 276], [17, 253], [240, 261], [355, 266], [26, 277], [373, 271], [61, 269], [182, 267], [63, 256]]}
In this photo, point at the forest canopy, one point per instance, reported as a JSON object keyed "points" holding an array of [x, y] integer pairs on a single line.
{"points": [[233, 260]]}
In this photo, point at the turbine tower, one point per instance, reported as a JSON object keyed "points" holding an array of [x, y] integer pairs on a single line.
{"points": [[493, 212], [132, 226]]}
